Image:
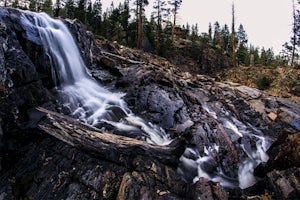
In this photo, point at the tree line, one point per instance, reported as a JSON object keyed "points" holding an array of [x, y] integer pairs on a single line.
{"points": [[127, 24]]}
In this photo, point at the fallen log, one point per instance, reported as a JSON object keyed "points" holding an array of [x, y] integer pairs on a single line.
{"points": [[116, 148], [122, 58]]}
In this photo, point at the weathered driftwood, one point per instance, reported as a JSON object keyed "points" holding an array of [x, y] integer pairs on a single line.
{"points": [[122, 58], [116, 148]]}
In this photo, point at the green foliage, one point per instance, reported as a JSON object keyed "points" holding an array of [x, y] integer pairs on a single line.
{"points": [[168, 50], [290, 82], [263, 82], [80, 11], [47, 7], [243, 55], [15, 4], [70, 9], [56, 8], [32, 5], [160, 35]]}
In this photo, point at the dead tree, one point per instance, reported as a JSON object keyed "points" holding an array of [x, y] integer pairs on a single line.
{"points": [[116, 148]]}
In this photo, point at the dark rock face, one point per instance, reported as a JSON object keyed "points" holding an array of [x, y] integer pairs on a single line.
{"points": [[21, 86], [193, 108], [86, 44]]}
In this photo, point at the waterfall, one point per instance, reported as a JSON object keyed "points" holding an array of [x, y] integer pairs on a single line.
{"points": [[93, 104], [85, 97]]}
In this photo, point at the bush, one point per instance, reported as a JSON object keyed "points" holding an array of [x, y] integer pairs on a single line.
{"points": [[263, 82]]}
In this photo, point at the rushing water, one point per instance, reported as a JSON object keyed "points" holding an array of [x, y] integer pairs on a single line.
{"points": [[93, 104], [87, 99], [246, 138]]}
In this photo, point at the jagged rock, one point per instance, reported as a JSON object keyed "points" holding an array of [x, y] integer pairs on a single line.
{"points": [[205, 190], [272, 116], [285, 183], [285, 153], [211, 117], [296, 124]]}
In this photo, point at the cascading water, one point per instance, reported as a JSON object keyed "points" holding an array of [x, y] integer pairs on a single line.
{"points": [[93, 104], [86, 98], [248, 139]]}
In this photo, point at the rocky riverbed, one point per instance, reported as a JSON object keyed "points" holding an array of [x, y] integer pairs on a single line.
{"points": [[239, 142]]}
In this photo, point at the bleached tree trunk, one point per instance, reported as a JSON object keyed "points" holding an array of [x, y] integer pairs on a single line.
{"points": [[140, 24], [233, 37], [294, 41], [116, 148]]}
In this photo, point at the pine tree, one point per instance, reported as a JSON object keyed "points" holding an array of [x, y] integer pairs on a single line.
{"points": [[175, 7], [47, 7], [32, 5], [80, 11], [225, 38], [140, 12], [15, 4], [70, 9], [89, 16], [270, 57], [242, 51], [195, 31], [287, 51], [263, 60], [188, 28], [241, 35], [97, 16], [117, 25], [160, 11], [97, 8], [290, 51], [124, 19], [254, 55], [57, 7], [217, 35]]}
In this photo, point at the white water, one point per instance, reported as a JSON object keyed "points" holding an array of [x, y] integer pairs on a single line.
{"points": [[86, 98], [93, 104], [203, 164]]}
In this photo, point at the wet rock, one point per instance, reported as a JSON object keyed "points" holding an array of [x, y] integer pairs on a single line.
{"points": [[182, 127], [205, 189], [20, 80], [296, 124], [284, 183], [107, 62], [162, 104], [211, 117], [285, 153]]}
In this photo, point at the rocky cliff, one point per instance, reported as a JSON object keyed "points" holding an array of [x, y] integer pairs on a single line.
{"points": [[223, 126]]}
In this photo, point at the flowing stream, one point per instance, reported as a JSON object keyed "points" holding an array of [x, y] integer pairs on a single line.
{"points": [[85, 98], [91, 103], [250, 146]]}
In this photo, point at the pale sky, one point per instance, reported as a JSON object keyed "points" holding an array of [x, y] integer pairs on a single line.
{"points": [[267, 23]]}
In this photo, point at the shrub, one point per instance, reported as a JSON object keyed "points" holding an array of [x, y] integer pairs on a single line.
{"points": [[263, 82]]}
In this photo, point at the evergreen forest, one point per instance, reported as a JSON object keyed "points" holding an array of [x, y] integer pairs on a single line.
{"points": [[128, 25]]}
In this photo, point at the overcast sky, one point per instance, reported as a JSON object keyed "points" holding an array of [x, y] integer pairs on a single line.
{"points": [[267, 23]]}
